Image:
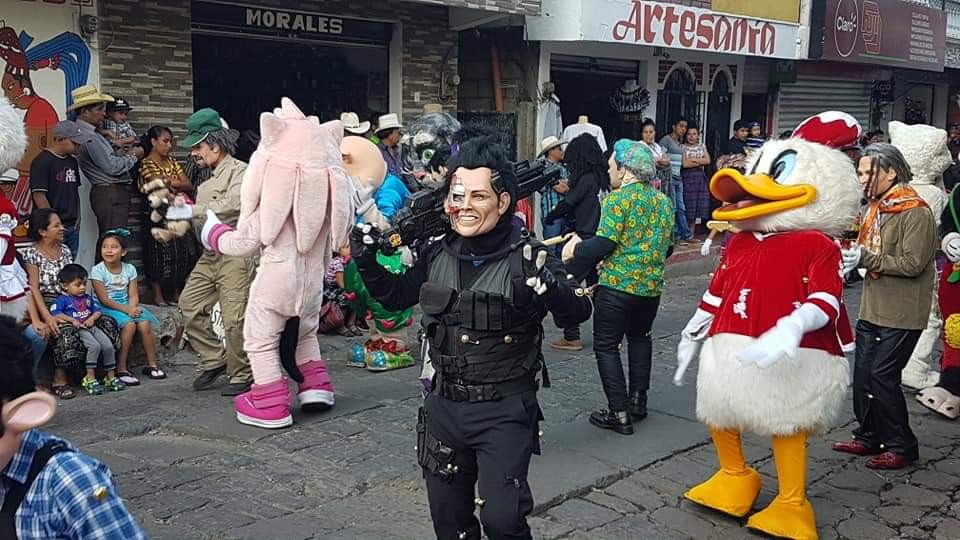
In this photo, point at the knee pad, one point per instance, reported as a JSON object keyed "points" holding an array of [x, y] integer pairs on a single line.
{"points": [[951, 331]]}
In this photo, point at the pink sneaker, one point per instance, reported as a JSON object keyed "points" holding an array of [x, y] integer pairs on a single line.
{"points": [[316, 391], [265, 405]]}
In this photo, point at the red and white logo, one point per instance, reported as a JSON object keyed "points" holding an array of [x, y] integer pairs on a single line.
{"points": [[846, 22]]}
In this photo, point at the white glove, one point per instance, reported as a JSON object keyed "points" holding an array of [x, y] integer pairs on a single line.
{"points": [[783, 340], [179, 213], [208, 226], [951, 246], [539, 277], [850, 258], [7, 224], [691, 340], [362, 196], [705, 248], [569, 248]]}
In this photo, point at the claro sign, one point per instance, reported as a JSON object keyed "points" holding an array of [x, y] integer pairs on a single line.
{"points": [[888, 32], [669, 25]]}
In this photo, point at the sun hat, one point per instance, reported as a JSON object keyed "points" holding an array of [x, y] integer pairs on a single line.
{"points": [[550, 143], [389, 121], [352, 124], [200, 124], [87, 95]]}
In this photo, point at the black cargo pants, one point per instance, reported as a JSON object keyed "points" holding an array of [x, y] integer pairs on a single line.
{"points": [[485, 444]]}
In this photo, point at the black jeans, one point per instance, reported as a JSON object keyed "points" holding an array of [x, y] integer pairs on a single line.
{"points": [[878, 401], [492, 444], [573, 333], [615, 314]]}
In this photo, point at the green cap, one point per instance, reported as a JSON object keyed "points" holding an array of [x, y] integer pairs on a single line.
{"points": [[200, 124]]}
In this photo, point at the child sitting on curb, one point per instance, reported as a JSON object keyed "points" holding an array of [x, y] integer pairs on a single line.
{"points": [[76, 307]]}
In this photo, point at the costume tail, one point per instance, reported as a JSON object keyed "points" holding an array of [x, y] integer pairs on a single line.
{"points": [[288, 348]]}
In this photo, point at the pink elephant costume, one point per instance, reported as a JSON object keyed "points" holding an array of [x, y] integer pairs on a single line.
{"points": [[296, 207]]}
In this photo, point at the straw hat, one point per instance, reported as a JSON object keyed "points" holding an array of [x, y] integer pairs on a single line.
{"points": [[550, 143], [87, 95], [352, 124]]}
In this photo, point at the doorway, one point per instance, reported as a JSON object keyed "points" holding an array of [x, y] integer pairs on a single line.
{"points": [[585, 87], [243, 77], [678, 99], [718, 114]]}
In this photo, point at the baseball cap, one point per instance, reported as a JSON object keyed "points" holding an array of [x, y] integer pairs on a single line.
{"points": [[68, 129], [119, 104]]}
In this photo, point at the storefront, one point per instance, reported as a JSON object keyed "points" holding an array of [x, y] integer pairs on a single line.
{"points": [[879, 61], [245, 58], [624, 60]]}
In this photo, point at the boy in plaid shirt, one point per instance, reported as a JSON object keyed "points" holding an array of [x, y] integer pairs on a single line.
{"points": [[50, 489], [115, 126]]}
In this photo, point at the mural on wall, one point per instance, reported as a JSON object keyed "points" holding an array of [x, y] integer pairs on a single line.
{"points": [[25, 56]]}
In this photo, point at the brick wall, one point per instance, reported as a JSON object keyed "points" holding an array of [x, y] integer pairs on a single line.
{"points": [[147, 56], [526, 7]]}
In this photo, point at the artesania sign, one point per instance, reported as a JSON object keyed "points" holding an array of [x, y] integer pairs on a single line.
{"points": [[638, 22]]}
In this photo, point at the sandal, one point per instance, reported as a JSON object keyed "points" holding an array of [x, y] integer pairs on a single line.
{"points": [[355, 331], [154, 372], [344, 332], [127, 378], [63, 391]]}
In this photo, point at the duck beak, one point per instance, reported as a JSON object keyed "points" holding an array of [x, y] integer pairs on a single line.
{"points": [[748, 197]]}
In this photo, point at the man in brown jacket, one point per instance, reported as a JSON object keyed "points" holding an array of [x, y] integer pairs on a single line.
{"points": [[897, 244], [216, 278]]}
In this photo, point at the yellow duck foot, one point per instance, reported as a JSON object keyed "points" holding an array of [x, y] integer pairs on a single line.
{"points": [[728, 493], [786, 520]]}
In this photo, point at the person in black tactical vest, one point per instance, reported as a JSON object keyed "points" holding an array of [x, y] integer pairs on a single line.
{"points": [[484, 290]]}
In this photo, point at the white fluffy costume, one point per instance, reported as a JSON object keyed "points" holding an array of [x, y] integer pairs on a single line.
{"points": [[925, 149], [13, 280], [296, 207], [771, 360]]}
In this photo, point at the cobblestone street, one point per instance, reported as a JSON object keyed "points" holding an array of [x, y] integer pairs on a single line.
{"points": [[188, 470]]}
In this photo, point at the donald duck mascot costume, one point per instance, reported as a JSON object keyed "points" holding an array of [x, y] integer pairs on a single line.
{"points": [[766, 330]]}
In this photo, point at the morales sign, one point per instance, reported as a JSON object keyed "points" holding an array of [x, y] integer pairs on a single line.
{"points": [[286, 24], [888, 32], [656, 24]]}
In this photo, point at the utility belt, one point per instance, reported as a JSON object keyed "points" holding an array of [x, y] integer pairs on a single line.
{"points": [[434, 456], [475, 393]]}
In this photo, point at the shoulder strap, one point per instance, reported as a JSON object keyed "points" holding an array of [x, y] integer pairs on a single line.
{"points": [[18, 491]]}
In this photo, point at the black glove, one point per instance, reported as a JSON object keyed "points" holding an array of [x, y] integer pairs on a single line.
{"points": [[364, 242], [535, 272]]}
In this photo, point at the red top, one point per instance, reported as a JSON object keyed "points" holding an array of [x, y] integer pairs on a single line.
{"points": [[763, 278]]}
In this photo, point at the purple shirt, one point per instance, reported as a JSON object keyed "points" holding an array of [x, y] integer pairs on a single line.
{"points": [[393, 158]]}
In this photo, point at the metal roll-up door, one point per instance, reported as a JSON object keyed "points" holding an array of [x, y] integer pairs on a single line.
{"points": [[809, 96]]}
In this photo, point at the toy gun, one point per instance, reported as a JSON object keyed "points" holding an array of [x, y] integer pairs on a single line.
{"points": [[423, 217]]}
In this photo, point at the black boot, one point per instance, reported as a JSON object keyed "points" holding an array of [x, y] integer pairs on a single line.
{"points": [[638, 406], [618, 421]]}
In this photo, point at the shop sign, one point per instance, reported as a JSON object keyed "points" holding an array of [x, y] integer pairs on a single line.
{"points": [[778, 10], [886, 32], [284, 23], [668, 25]]}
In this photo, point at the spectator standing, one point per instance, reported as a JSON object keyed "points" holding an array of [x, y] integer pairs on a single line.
{"points": [[107, 172], [581, 203], [168, 264], [551, 155], [696, 192], [55, 178], [661, 160], [672, 144], [954, 143], [734, 153], [389, 132]]}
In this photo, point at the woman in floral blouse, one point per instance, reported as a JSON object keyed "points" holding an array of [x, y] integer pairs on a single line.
{"points": [[43, 260], [633, 241], [168, 265]]}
